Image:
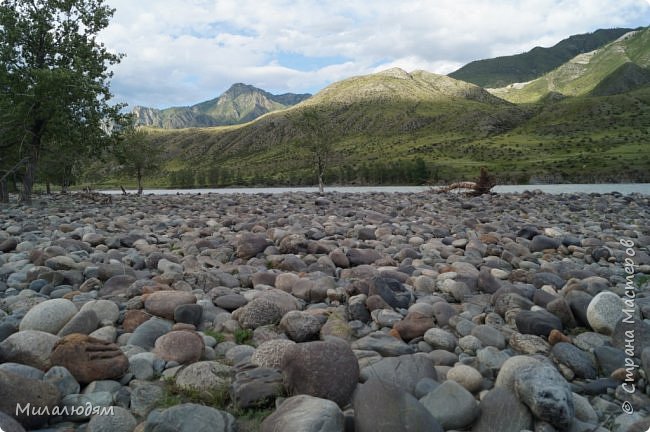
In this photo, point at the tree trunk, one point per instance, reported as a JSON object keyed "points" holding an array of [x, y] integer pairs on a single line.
{"points": [[28, 179], [139, 181], [48, 189], [321, 170], [4, 192]]}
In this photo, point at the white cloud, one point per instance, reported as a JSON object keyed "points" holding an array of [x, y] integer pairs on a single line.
{"points": [[186, 52]]}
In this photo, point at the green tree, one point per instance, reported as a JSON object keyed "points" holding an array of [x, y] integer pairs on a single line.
{"points": [[54, 75], [137, 154], [316, 141]]}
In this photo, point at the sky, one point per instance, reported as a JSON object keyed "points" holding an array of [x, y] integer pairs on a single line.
{"points": [[180, 53]]}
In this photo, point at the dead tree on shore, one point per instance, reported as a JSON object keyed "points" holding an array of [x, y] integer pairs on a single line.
{"points": [[483, 185]]}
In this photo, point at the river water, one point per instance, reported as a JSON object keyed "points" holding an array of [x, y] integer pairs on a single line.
{"points": [[624, 188]]}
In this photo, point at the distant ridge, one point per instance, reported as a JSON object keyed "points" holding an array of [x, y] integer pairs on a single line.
{"points": [[241, 103], [502, 71]]}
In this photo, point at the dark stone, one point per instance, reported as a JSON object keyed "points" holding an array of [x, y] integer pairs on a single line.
{"points": [[609, 359], [249, 245], [6, 330], [575, 359], [641, 331], [188, 314], [393, 292], [486, 282], [579, 302], [145, 334], [378, 406], [404, 371], [327, 370], [543, 298], [502, 411], [84, 322], [443, 311], [18, 390], [561, 309], [8, 245], [601, 252], [569, 240], [528, 232], [362, 256], [358, 311], [537, 323], [9, 424], [540, 279], [597, 387], [542, 242]]}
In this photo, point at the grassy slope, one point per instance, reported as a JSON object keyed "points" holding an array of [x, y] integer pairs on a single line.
{"points": [[501, 71], [585, 72]]}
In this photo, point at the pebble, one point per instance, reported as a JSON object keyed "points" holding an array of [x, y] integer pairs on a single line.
{"points": [[424, 291]]}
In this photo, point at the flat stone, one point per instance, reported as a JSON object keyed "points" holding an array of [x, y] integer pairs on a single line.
{"points": [[255, 387], [384, 344], [529, 344], [106, 310], [116, 286], [539, 323], [230, 302], [489, 336], [84, 322], [305, 413]]}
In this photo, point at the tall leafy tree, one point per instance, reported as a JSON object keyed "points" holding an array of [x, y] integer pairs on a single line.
{"points": [[137, 154], [317, 141], [54, 75]]}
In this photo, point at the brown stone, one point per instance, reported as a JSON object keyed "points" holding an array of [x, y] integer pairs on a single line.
{"points": [[414, 325], [376, 302], [181, 346], [89, 359], [17, 390], [556, 336], [163, 303], [394, 333], [133, 318]]}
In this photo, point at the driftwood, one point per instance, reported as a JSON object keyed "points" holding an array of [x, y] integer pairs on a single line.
{"points": [[97, 197], [482, 185]]}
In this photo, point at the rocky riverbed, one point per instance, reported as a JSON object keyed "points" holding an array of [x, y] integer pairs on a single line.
{"points": [[342, 312]]}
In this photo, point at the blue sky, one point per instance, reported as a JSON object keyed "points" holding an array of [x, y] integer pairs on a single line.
{"points": [[185, 52]]}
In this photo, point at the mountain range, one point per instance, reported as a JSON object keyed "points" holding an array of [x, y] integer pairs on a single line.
{"points": [[241, 103], [586, 120]]}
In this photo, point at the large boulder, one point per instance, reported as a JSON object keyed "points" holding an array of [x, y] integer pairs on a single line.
{"points": [[182, 346], [605, 310], [379, 406], [163, 303], [18, 393], [189, 417], [403, 372], [324, 369], [29, 347], [502, 411]]}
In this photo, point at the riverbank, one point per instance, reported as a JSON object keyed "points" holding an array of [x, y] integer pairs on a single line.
{"points": [[450, 308]]}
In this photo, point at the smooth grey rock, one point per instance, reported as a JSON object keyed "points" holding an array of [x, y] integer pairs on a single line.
{"points": [[22, 370], [489, 336], [49, 316], [512, 366], [305, 413], [17, 390], [639, 329], [403, 372], [452, 405], [539, 323], [542, 242], [440, 339], [120, 420], [145, 397], [9, 424], [189, 417], [145, 334], [84, 322], [605, 311], [546, 393], [378, 406], [30, 347]]}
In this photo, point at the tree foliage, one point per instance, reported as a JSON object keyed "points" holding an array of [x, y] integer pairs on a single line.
{"points": [[317, 141], [54, 76], [137, 155]]}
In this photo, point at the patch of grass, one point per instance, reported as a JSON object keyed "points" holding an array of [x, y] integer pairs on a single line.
{"points": [[243, 336], [218, 336]]}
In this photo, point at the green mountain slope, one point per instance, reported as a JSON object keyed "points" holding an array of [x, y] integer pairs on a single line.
{"points": [[501, 71], [239, 104], [391, 127], [585, 72]]}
